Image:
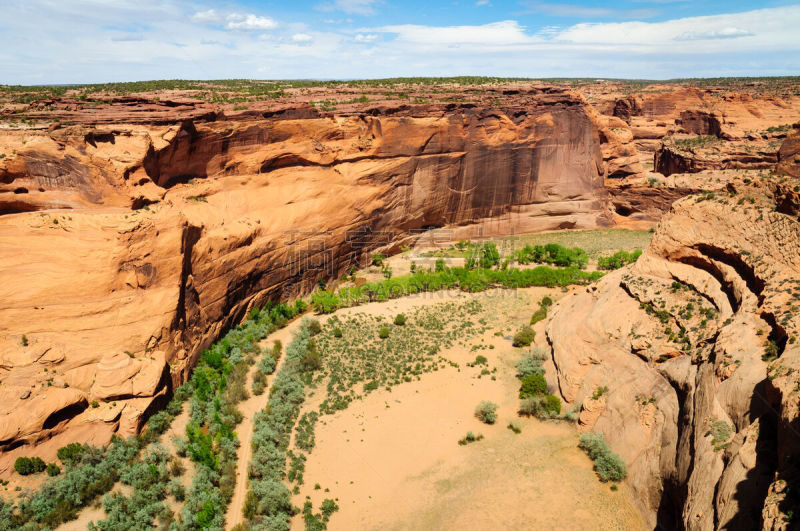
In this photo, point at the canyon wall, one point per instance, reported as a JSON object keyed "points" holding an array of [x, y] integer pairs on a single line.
{"points": [[127, 249], [697, 343]]}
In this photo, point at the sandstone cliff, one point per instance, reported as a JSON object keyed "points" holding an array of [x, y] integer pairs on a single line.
{"points": [[127, 249], [698, 345], [789, 156]]}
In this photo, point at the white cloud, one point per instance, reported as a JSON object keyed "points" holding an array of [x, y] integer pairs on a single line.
{"points": [[355, 7], [301, 37], [495, 33], [249, 22], [206, 17], [576, 11], [764, 27], [128, 40], [723, 33], [480, 3]]}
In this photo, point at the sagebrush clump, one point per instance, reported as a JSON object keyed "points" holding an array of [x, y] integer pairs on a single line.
{"points": [[524, 337], [540, 406], [486, 412], [608, 465]]}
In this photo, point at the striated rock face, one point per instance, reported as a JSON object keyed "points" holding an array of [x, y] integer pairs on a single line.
{"points": [[671, 158], [127, 249], [789, 156], [737, 129], [700, 122], [699, 345]]}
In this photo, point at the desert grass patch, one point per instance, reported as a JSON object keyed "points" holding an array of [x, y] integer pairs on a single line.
{"points": [[470, 437], [374, 354]]}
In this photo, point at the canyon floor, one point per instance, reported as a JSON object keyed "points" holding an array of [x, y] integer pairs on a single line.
{"points": [[392, 460]]}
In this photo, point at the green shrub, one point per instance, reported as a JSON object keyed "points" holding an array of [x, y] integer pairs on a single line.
{"points": [[599, 391], [608, 465], [540, 354], [524, 337], [771, 351], [377, 259], [532, 407], [480, 359], [489, 255], [326, 302], [314, 327], [52, 469], [470, 437], [311, 360], [158, 423], [486, 412], [71, 454], [383, 332], [618, 259], [540, 406], [532, 385], [721, 432], [515, 427], [527, 365], [400, 319], [337, 332], [470, 280], [539, 315], [277, 348], [259, 383], [177, 490], [552, 404], [29, 465], [267, 365], [552, 253]]}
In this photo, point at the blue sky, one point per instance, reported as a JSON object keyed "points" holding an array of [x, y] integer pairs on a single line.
{"points": [[82, 41]]}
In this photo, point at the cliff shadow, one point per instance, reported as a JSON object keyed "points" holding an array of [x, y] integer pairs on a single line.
{"points": [[751, 491]]}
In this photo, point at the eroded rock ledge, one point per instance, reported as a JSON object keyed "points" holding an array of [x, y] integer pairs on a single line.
{"points": [[699, 345]]}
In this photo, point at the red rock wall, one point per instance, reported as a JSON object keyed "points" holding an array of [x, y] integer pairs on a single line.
{"points": [[117, 303]]}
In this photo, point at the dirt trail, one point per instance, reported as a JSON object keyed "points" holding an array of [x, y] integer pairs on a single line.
{"points": [[249, 408]]}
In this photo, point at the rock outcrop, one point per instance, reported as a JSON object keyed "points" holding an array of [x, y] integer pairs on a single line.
{"points": [[789, 156], [698, 343], [127, 249], [681, 156]]}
